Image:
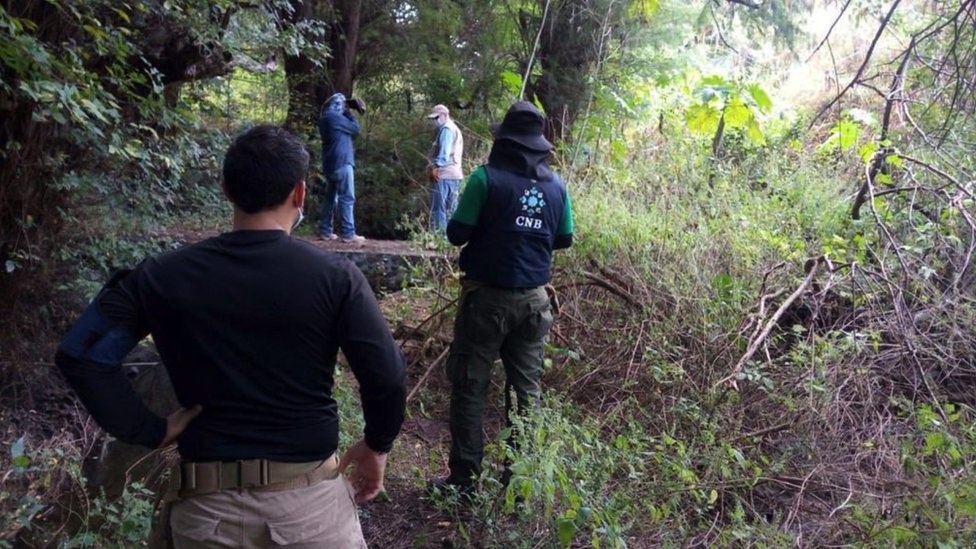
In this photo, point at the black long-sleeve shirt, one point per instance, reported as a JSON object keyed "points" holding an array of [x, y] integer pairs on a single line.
{"points": [[248, 325]]}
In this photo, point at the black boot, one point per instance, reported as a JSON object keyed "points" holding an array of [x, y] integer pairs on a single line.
{"points": [[448, 485]]}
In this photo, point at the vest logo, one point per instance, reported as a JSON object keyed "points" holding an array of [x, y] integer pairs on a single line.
{"points": [[528, 222], [532, 202]]}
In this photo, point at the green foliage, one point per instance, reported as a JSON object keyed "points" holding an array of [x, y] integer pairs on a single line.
{"points": [[260, 32], [679, 259], [121, 523], [846, 134], [124, 521], [777, 21], [351, 421], [240, 99], [57, 82], [733, 105], [561, 483], [562, 473], [941, 510], [117, 221]]}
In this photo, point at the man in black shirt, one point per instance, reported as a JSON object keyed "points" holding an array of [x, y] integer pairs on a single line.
{"points": [[248, 324]]}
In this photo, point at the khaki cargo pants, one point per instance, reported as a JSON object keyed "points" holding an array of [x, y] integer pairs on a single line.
{"points": [[491, 323], [320, 516]]}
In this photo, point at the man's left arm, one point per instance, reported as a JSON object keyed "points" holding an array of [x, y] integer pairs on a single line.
{"points": [[564, 236], [349, 124], [445, 146], [376, 361], [90, 357], [462, 224]]}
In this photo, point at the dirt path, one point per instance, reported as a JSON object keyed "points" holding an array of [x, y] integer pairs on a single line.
{"points": [[407, 517]]}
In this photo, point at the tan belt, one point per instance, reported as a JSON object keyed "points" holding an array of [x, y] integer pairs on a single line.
{"points": [[262, 475]]}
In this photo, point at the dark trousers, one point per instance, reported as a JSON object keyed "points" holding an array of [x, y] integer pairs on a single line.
{"points": [[491, 323]]}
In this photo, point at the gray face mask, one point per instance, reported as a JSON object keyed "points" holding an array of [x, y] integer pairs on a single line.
{"points": [[298, 219]]}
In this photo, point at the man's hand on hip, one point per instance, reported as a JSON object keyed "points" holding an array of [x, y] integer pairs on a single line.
{"points": [[367, 477], [176, 423]]}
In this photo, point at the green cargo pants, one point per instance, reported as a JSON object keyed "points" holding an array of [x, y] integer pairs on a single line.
{"points": [[492, 322]]}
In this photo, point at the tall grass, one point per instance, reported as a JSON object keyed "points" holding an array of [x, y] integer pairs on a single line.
{"points": [[664, 436]]}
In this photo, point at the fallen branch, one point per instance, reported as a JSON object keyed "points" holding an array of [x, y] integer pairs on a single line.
{"points": [[415, 331], [766, 431], [423, 378], [609, 286], [754, 345]]}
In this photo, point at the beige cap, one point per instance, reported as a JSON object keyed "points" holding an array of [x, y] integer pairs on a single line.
{"points": [[439, 110]]}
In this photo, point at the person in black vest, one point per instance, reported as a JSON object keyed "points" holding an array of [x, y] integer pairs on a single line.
{"points": [[513, 212], [248, 324]]}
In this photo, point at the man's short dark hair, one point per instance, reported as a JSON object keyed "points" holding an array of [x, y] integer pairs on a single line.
{"points": [[262, 166]]}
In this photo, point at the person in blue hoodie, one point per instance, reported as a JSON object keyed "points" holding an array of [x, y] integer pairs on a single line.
{"points": [[338, 127]]}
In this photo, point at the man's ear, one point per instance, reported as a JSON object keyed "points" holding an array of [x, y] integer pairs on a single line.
{"points": [[298, 195]]}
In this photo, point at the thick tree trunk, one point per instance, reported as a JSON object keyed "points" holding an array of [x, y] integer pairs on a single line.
{"points": [[307, 91], [309, 86], [565, 56], [345, 42]]}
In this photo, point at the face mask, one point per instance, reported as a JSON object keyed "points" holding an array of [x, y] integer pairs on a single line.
{"points": [[298, 219]]}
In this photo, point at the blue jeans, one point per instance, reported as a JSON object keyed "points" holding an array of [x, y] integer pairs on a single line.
{"points": [[340, 190], [443, 202]]}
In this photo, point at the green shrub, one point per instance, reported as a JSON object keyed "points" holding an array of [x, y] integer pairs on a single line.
{"points": [[55, 508]]}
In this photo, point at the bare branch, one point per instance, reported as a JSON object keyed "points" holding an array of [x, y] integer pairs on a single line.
{"points": [[420, 382], [880, 157], [721, 36], [747, 3], [754, 345], [864, 64], [829, 31]]}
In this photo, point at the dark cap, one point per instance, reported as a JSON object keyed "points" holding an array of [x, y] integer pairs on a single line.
{"points": [[523, 124]]}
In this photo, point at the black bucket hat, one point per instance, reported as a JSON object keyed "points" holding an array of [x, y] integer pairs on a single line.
{"points": [[523, 125]]}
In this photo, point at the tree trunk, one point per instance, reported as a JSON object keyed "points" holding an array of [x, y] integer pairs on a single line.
{"points": [[718, 143], [567, 56], [345, 42], [35, 149], [308, 88]]}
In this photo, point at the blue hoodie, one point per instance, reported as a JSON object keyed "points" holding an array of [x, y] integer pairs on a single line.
{"points": [[337, 127]]}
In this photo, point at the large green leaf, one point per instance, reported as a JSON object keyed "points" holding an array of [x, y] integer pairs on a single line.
{"points": [[763, 102], [702, 119], [737, 114], [847, 132], [567, 531], [714, 87], [512, 82], [754, 132]]}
